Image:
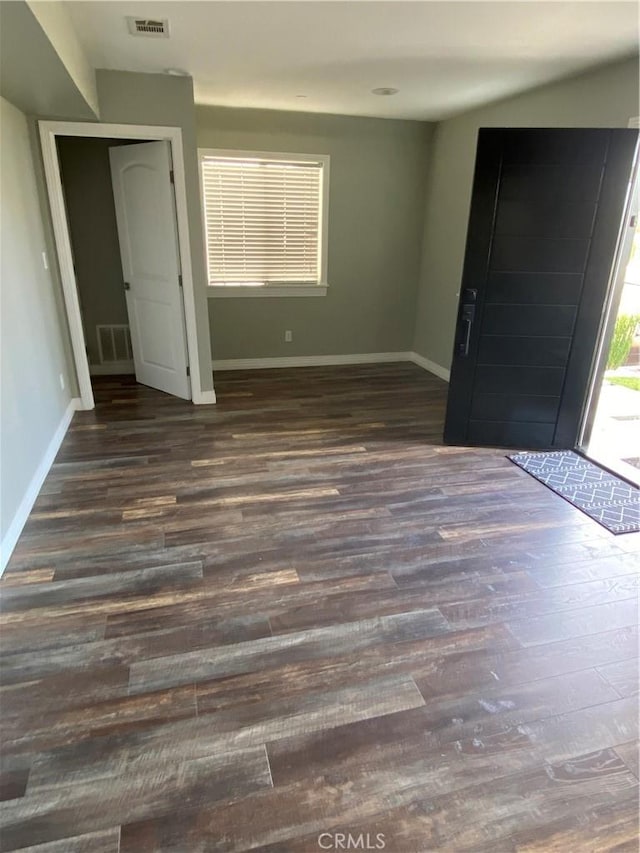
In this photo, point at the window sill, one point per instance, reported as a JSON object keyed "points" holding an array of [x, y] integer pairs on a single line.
{"points": [[231, 292]]}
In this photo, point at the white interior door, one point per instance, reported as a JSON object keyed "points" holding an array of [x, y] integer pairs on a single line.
{"points": [[146, 217]]}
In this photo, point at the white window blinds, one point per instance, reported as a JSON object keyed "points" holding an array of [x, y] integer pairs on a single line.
{"points": [[263, 220]]}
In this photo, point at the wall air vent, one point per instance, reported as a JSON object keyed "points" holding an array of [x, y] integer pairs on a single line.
{"points": [[114, 344], [154, 28]]}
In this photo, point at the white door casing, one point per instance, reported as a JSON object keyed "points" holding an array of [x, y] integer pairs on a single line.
{"points": [[146, 221]]}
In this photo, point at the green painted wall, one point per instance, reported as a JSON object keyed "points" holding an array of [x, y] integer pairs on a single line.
{"points": [[33, 75], [376, 207], [159, 99], [34, 342], [606, 97], [32, 357]]}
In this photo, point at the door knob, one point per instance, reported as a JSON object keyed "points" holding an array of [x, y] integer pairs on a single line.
{"points": [[467, 315]]}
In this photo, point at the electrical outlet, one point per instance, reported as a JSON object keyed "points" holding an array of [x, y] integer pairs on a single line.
{"points": [[62, 381], [288, 336]]}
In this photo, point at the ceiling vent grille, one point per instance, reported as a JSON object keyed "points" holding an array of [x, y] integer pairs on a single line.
{"points": [[151, 28]]}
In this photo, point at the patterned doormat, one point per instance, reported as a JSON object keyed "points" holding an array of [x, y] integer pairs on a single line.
{"points": [[612, 502]]}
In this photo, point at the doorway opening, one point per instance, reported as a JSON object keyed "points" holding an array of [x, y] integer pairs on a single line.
{"points": [[91, 219], [152, 317], [121, 219], [611, 431]]}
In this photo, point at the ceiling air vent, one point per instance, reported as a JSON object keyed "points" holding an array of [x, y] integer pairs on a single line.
{"points": [[155, 28]]}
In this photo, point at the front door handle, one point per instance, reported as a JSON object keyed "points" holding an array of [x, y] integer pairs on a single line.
{"points": [[463, 346], [467, 314]]}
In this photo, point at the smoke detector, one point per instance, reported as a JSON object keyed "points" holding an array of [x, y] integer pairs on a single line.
{"points": [[149, 27]]}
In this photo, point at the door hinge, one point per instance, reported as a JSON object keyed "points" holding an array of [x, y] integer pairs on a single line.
{"points": [[171, 176], [633, 221], [180, 280], [188, 371]]}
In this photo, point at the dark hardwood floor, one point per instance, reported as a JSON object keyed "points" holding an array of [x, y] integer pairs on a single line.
{"points": [[295, 616]]}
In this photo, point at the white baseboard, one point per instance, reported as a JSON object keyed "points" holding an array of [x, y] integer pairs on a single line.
{"points": [[112, 368], [309, 360], [426, 363], [22, 513], [328, 360]]}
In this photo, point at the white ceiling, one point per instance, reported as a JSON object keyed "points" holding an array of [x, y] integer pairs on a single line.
{"points": [[444, 57]]}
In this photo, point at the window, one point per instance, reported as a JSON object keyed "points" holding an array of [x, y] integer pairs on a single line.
{"points": [[265, 220]]}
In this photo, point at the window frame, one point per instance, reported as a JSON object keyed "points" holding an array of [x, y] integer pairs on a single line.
{"points": [[226, 291]]}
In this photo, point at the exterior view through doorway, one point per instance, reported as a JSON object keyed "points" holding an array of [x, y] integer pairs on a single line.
{"points": [[611, 432]]}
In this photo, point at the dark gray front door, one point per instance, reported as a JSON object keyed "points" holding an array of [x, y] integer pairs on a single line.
{"points": [[546, 211]]}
